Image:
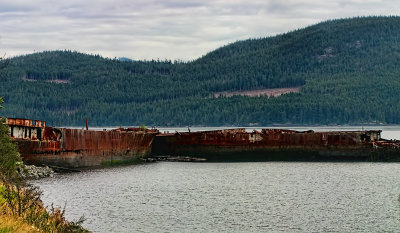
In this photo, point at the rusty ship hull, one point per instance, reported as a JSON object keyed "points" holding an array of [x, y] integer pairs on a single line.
{"points": [[277, 145], [78, 148]]}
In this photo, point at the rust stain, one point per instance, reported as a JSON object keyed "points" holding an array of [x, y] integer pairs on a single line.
{"points": [[25, 122], [39, 144], [78, 147], [276, 144], [271, 137]]}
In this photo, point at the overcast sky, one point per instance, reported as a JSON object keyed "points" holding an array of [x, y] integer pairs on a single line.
{"points": [[164, 29]]}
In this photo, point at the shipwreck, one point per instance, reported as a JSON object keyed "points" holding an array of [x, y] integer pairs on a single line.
{"points": [[40, 144], [278, 145]]}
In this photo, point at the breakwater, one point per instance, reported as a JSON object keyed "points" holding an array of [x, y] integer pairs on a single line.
{"points": [[63, 147], [72, 148], [277, 145]]}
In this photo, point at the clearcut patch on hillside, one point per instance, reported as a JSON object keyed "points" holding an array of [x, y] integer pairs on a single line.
{"points": [[262, 92]]}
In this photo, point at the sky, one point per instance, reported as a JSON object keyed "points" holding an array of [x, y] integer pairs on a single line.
{"points": [[162, 29]]}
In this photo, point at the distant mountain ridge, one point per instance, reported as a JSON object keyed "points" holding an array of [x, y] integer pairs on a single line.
{"points": [[347, 71], [125, 59]]}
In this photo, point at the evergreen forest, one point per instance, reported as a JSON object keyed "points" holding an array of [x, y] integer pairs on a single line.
{"points": [[347, 72]]}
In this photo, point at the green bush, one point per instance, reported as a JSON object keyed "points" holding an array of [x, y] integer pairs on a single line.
{"points": [[9, 156]]}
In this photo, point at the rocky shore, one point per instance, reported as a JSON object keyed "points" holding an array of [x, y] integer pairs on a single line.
{"points": [[35, 172]]}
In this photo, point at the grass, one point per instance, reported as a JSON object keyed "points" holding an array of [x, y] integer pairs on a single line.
{"points": [[9, 224], [22, 210]]}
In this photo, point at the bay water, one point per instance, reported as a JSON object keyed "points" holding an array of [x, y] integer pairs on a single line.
{"points": [[233, 197]]}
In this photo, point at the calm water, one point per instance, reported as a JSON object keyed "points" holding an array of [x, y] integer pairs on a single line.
{"points": [[232, 197]]}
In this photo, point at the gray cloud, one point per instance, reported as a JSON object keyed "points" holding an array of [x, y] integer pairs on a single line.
{"points": [[151, 29]]}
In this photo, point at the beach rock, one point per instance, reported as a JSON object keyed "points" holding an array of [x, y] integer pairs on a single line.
{"points": [[35, 172]]}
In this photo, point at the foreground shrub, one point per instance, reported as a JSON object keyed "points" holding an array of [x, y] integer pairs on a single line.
{"points": [[24, 203]]}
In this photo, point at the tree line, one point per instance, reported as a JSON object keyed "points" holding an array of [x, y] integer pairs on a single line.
{"points": [[347, 71]]}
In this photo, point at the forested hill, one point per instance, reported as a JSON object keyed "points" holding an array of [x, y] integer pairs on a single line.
{"points": [[348, 71]]}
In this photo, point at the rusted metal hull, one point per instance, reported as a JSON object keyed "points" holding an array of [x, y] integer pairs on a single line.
{"points": [[75, 148], [85, 148], [277, 145]]}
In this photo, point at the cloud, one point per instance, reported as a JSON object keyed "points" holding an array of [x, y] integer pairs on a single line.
{"points": [[172, 29]]}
